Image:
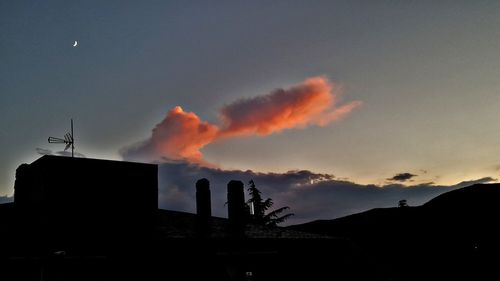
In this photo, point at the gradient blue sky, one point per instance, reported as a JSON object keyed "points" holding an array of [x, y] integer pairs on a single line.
{"points": [[427, 73]]}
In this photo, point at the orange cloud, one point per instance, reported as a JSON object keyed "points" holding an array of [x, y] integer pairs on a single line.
{"points": [[309, 103], [181, 135]]}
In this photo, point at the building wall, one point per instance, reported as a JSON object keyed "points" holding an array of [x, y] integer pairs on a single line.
{"points": [[87, 192]]}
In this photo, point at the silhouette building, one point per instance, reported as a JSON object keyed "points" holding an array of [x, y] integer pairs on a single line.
{"points": [[89, 219], [81, 193]]}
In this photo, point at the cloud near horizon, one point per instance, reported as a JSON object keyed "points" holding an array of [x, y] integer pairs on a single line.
{"points": [[310, 195], [6, 199], [402, 177], [181, 135]]}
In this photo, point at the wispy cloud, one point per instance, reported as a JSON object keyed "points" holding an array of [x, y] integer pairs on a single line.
{"points": [[43, 151], [477, 181], [68, 153], [312, 102]]}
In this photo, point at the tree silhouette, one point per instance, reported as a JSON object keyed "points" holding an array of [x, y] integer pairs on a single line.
{"points": [[402, 203], [260, 206]]}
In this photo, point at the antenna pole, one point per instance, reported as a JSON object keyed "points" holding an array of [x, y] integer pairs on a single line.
{"points": [[72, 140], [68, 140]]}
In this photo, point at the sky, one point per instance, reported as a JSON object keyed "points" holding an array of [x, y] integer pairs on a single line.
{"points": [[371, 93]]}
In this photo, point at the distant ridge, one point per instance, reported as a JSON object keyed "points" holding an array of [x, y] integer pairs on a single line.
{"points": [[480, 196], [454, 235], [480, 199]]}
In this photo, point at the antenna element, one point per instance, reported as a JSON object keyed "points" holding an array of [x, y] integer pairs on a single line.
{"points": [[68, 139]]}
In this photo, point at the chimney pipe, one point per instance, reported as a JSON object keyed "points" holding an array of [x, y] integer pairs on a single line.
{"points": [[203, 207], [236, 207]]}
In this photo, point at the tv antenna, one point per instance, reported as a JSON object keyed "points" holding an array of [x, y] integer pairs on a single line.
{"points": [[68, 140]]}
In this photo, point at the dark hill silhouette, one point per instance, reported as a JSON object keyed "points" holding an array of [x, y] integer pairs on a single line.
{"points": [[471, 198], [454, 235]]}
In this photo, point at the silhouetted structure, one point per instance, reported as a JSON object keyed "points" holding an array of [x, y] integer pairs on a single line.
{"points": [[65, 199], [88, 219], [203, 200], [203, 207], [236, 207], [87, 190]]}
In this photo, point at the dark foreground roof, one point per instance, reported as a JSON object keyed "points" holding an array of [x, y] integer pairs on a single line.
{"points": [[171, 249], [174, 224]]}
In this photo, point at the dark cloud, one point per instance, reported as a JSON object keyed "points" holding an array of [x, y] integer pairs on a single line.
{"points": [[402, 177], [6, 199], [310, 195], [177, 181]]}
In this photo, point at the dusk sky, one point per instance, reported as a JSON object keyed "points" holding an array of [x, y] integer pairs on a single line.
{"points": [[371, 92]]}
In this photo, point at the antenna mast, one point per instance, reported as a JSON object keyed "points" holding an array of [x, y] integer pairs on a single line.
{"points": [[72, 140], [68, 139]]}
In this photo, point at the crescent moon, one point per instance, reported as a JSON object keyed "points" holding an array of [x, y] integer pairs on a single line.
{"points": [[75, 44]]}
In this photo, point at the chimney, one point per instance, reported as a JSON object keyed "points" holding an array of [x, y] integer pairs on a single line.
{"points": [[236, 207], [203, 207]]}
